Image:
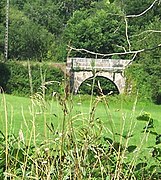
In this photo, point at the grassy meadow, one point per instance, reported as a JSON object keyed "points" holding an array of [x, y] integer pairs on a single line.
{"points": [[81, 121], [22, 111]]}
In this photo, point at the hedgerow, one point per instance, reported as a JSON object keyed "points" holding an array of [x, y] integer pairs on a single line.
{"points": [[24, 80]]}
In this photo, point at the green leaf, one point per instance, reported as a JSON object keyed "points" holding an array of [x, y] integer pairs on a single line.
{"points": [[150, 124], [152, 168], [144, 117], [117, 146], [158, 139], [153, 133], [111, 1], [141, 165], [131, 148], [125, 135]]}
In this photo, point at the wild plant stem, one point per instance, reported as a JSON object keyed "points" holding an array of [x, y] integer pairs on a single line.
{"points": [[62, 139], [6, 131]]}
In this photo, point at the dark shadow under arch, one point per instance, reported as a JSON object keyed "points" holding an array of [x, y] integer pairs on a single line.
{"points": [[99, 84]]}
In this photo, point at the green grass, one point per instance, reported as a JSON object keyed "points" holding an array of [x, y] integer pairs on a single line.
{"points": [[121, 116], [22, 113], [25, 114]]}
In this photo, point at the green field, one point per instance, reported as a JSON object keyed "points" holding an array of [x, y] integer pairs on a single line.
{"points": [[116, 114]]}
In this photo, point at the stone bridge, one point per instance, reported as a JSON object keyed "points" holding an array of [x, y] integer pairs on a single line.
{"points": [[81, 69]]}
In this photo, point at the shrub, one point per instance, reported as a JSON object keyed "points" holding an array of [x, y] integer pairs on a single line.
{"points": [[156, 90], [19, 79], [4, 75]]}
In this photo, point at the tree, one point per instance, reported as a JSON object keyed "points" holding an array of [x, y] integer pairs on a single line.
{"points": [[149, 61], [2, 11], [46, 14], [27, 39], [68, 7], [138, 35], [18, 3], [99, 30]]}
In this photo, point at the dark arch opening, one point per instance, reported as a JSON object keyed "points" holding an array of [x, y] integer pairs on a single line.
{"points": [[99, 84]]}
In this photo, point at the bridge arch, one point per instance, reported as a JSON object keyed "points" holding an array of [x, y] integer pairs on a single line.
{"points": [[110, 88], [80, 76], [80, 69]]}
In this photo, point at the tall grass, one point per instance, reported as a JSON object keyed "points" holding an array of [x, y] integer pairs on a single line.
{"points": [[82, 145]]}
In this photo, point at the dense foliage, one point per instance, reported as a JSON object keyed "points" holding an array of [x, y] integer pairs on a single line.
{"points": [[41, 30], [25, 80], [100, 30]]}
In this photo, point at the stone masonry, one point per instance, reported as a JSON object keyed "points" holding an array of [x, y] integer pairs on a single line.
{"points": [[80, 69]]}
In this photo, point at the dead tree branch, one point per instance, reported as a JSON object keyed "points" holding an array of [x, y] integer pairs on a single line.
{"points": [[135, 52], [126, 32], [147, 31], [142, 13]]}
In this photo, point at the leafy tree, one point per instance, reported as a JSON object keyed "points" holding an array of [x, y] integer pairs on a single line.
{"points": [[46, 14], [18, 3], [2, 11], [68, 7], [2, 30], [27, 39], [137, 7], [146, 72], [42, 28], [100, 30]]}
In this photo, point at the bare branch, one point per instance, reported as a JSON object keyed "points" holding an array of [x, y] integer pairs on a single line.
{"points": [[134, 56], [147, 31], [145, 11], [135, 52], [127, 37], [121, 47]]}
